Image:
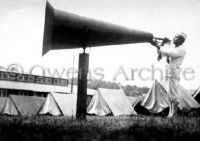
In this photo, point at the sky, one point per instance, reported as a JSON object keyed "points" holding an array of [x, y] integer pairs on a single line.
{"points": [[22, 26]]}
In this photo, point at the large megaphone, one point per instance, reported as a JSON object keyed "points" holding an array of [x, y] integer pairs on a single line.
{"points": [[68, 31]]}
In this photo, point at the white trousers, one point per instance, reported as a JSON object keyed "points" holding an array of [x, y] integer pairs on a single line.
{"points": [[173, 84]]}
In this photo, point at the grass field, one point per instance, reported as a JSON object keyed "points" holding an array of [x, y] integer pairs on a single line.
{"points": [[123, 128]]}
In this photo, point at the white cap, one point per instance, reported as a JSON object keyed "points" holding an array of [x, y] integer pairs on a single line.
{"points": [[182, 34]]}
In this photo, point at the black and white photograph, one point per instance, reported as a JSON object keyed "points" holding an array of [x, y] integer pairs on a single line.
{"points": [[99, 70]]}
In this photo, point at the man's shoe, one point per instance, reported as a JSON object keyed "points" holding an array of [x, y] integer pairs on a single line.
{"points": [[170, 110]]}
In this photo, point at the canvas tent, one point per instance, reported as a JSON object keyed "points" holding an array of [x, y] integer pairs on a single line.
{"points": [[22, 105], [59, 104], [134, 100], [2, 102], [156, 100], [196, 95], [110, 101]]}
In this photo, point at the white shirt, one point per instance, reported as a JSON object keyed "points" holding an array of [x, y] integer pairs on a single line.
{"points": [[177, 55]]}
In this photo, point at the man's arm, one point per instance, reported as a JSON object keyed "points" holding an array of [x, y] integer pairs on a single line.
{"points": [[155, 43], [164, 42], [172, 52]]}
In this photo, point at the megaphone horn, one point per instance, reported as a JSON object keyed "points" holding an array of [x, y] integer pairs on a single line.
{"points": [[64, 30]]}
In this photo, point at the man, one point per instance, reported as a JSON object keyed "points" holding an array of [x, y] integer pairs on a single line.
{"points": [[175, 52]]}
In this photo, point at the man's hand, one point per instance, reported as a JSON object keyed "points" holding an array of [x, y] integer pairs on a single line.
{"points": [[165, 41], [155, 43]]}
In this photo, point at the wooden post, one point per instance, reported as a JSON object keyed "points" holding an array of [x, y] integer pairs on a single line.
{"points": [[81, 110]]}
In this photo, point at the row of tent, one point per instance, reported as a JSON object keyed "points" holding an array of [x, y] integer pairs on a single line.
{"points": [[103, 102]]}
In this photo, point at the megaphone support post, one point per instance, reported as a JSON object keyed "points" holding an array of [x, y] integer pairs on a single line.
{"points": [[81, 110]]}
